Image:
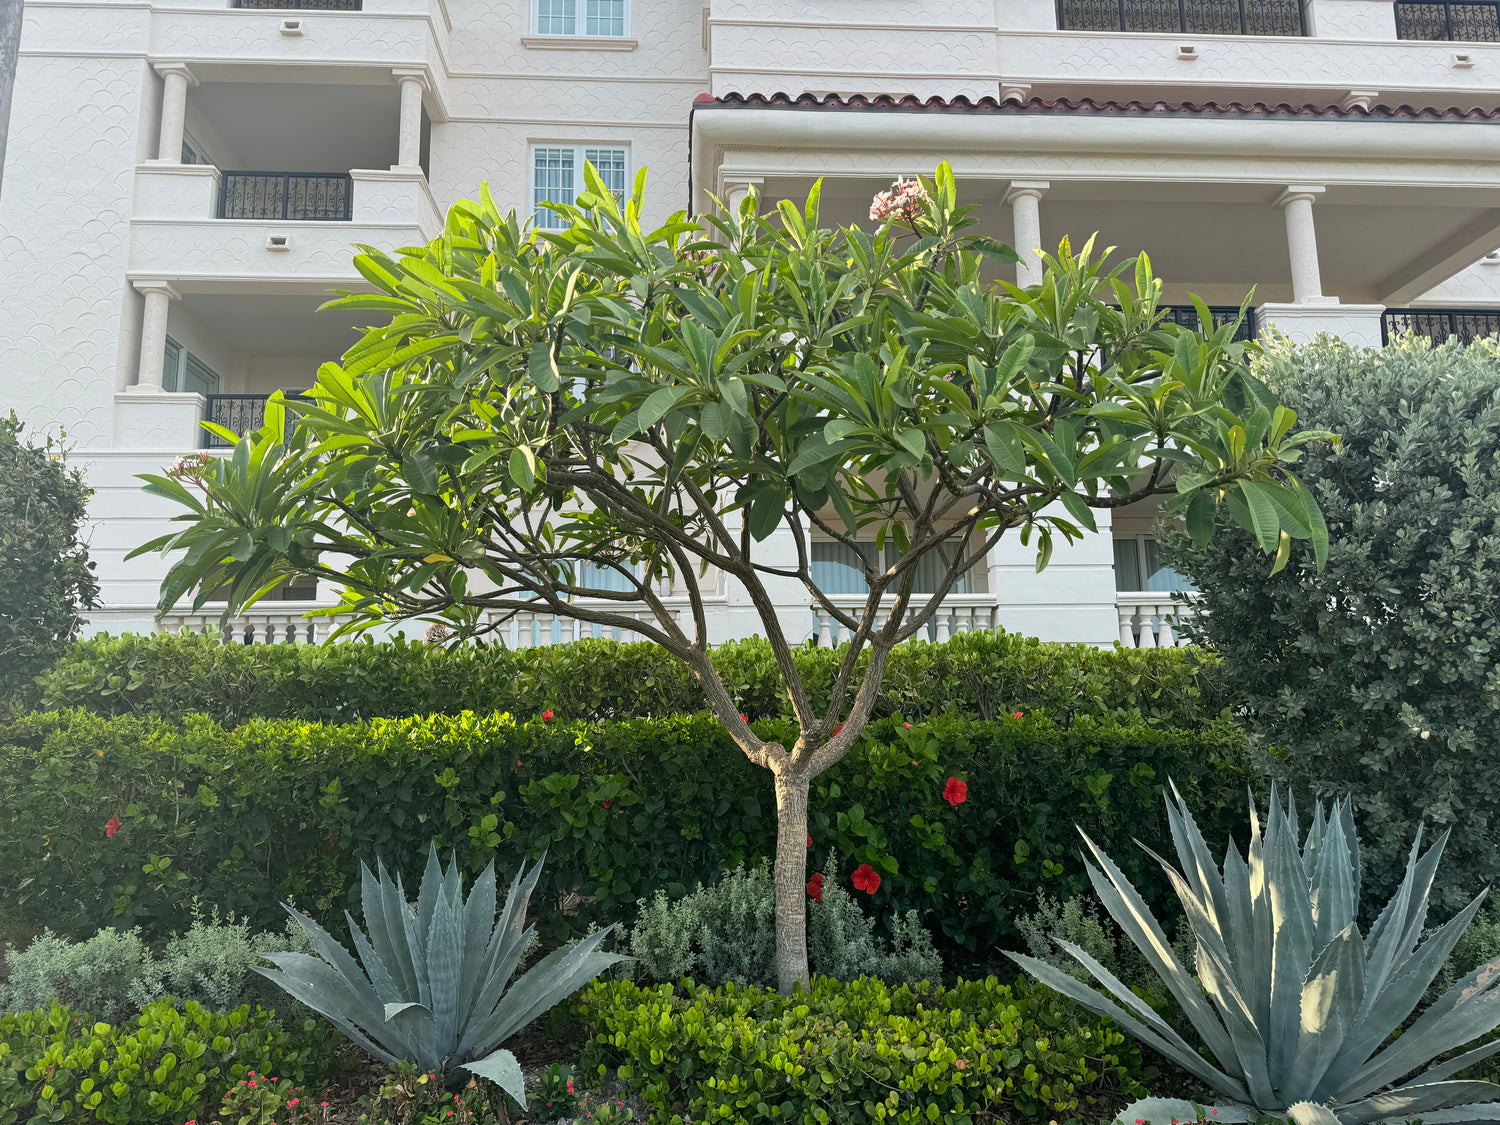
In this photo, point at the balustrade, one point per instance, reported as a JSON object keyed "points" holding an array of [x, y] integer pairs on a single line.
{"points": [[285, 624], [1204, 17], [959, 613], [1151, 620], [1440, 324]]}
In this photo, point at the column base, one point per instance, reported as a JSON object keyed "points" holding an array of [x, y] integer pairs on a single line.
{"points": [[1357, 325]]}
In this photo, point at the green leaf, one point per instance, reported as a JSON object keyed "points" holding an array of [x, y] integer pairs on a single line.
{"points": [[542, 367], [1200, 518], [1006, 449], [523, 468]]}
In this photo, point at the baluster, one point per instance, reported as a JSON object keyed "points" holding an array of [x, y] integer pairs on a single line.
{"points": [[1148, 626], [1168, 637], [944, 633], [1127, 634]]}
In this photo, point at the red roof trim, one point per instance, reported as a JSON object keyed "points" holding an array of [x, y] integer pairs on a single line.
{"points": [[909, 103]]}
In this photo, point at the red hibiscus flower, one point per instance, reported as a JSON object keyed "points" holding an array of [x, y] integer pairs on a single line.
{"points": [[866, 879], [111, 826], [744, 717], [548, 716], [1019, 715], [815, 888], [809, 839], [906, 726], [838, 728], [955, 792], [608, 803]]}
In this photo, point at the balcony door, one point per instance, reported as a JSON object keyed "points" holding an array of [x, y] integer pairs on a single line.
{"points": [[183, 371]]}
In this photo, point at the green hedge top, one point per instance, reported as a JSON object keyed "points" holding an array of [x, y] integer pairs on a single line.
{"points": [[979, 674], [126, 820]]}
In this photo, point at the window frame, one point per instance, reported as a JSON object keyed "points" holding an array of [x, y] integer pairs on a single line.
{"points": [[580, 22], [1139, 539], [544, 220], [180, 369]]}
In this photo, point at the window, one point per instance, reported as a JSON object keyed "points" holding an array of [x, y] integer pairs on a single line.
{"points": [[191, 153], [836, 568], [183, 371], [557, 176], [1137, 556], [580, 17], [598, 577]]}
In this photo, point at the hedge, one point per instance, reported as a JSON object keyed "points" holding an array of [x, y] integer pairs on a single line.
{"points": [[979, 674], [128, 820], [860, 1052]]}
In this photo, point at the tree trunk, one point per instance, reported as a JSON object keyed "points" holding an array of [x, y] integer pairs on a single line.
{"points": [[791, 882], [10, 46]]}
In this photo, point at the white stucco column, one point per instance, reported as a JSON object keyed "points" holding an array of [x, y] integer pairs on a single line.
{"points": [[1296, 203], [413, 84], [735, 190], [1023, 198], [176, 78], [159, 296]]}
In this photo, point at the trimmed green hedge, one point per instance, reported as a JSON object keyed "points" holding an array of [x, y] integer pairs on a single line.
{"points": [[242, 817], [168, 1064], [979, 674], [860, 1052]]}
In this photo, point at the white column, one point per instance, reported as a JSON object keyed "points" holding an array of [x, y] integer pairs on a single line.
{"points": [[159, 295], [735, 190], [1296, 203], [1023, 199], [409, 147], [176, 78]]}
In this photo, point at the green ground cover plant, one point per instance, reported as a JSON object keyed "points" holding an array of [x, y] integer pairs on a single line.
{"points": [[126, 821]]}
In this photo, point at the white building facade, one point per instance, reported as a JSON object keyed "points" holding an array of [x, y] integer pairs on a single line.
{"points": [[185, 182]]}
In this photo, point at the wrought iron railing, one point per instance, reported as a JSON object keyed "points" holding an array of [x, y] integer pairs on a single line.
{"points": [[302, 5], [1187, 316], [1203, 17], [1471, 21], [308, 196], [238, 414], [1440, 324]]}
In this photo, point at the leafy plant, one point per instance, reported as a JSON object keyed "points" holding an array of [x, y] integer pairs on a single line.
{"points": [[1379, 673], [1295, 1005], [433, 984], [860, 1052], [726, 933], [258, 1099], [408, 1096], [100, 975], [543, 408], [46, 578]]}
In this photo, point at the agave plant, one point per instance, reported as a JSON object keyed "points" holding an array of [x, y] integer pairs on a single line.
{"points": [[433, 981], [1296, 1007]]}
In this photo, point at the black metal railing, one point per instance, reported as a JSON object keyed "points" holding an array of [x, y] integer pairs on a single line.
{"points": [[1204, 17], [239, 414], [309, 196], [1440, 324], [1187, 316], [301, 5], [1471, 21]]}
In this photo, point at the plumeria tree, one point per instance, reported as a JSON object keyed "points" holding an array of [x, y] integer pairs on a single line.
{"points": [[583, 420]]}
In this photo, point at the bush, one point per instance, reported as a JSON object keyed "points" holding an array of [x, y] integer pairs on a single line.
{"points": [[46, 579], [980, 674], [1085, 924], [726, 933], [97, 976], [278, 810], [170, 1064], [860, 1052], [1380, 675]]}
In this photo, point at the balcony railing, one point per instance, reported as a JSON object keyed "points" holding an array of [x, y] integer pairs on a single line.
{"points": [[1151, 620], [1440, 324], [302, 196], [267, 623], [1203, 17], [301, 5], [1187, 316], [1470, 21], [959, 613], [239, 413]]}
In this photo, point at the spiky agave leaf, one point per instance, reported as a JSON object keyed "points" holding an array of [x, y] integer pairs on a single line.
{"points": [[432, 983], [1293, 1004], [1165, 1111]]}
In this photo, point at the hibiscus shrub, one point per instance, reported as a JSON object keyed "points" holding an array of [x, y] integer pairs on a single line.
{"points": [[961, 820], [981, 674], [861, 1052]]}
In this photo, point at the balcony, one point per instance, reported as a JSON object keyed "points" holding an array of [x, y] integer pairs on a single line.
{"points": [[959, 613], [239, 414], [1189, 17], [300, 5], [1152, 620], [1187, 316], [1438, 324], [267, 622], [1468, 21], [319, 197]]}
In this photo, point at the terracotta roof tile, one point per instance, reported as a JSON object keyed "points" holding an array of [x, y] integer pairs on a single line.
{"points": [[858, 103]]}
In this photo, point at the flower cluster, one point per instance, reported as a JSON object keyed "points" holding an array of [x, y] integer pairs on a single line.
{"points": [[904, 201], [190, 466], [273, 1100]]}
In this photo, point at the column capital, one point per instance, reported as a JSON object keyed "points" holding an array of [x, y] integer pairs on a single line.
{"points": [[166, 68], [1026, 189], [732, 181], [1296, 192], [165, 287], [412, 74], [1015, 92]]}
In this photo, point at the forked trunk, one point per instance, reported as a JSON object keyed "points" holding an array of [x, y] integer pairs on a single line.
{"points": [[791, 882]]}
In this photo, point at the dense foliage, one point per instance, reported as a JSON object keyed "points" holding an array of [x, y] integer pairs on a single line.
{"points": [[860, 1052], [46, 579], [169, 1064], [979, 674], [125, 820], [1382, 674]]}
